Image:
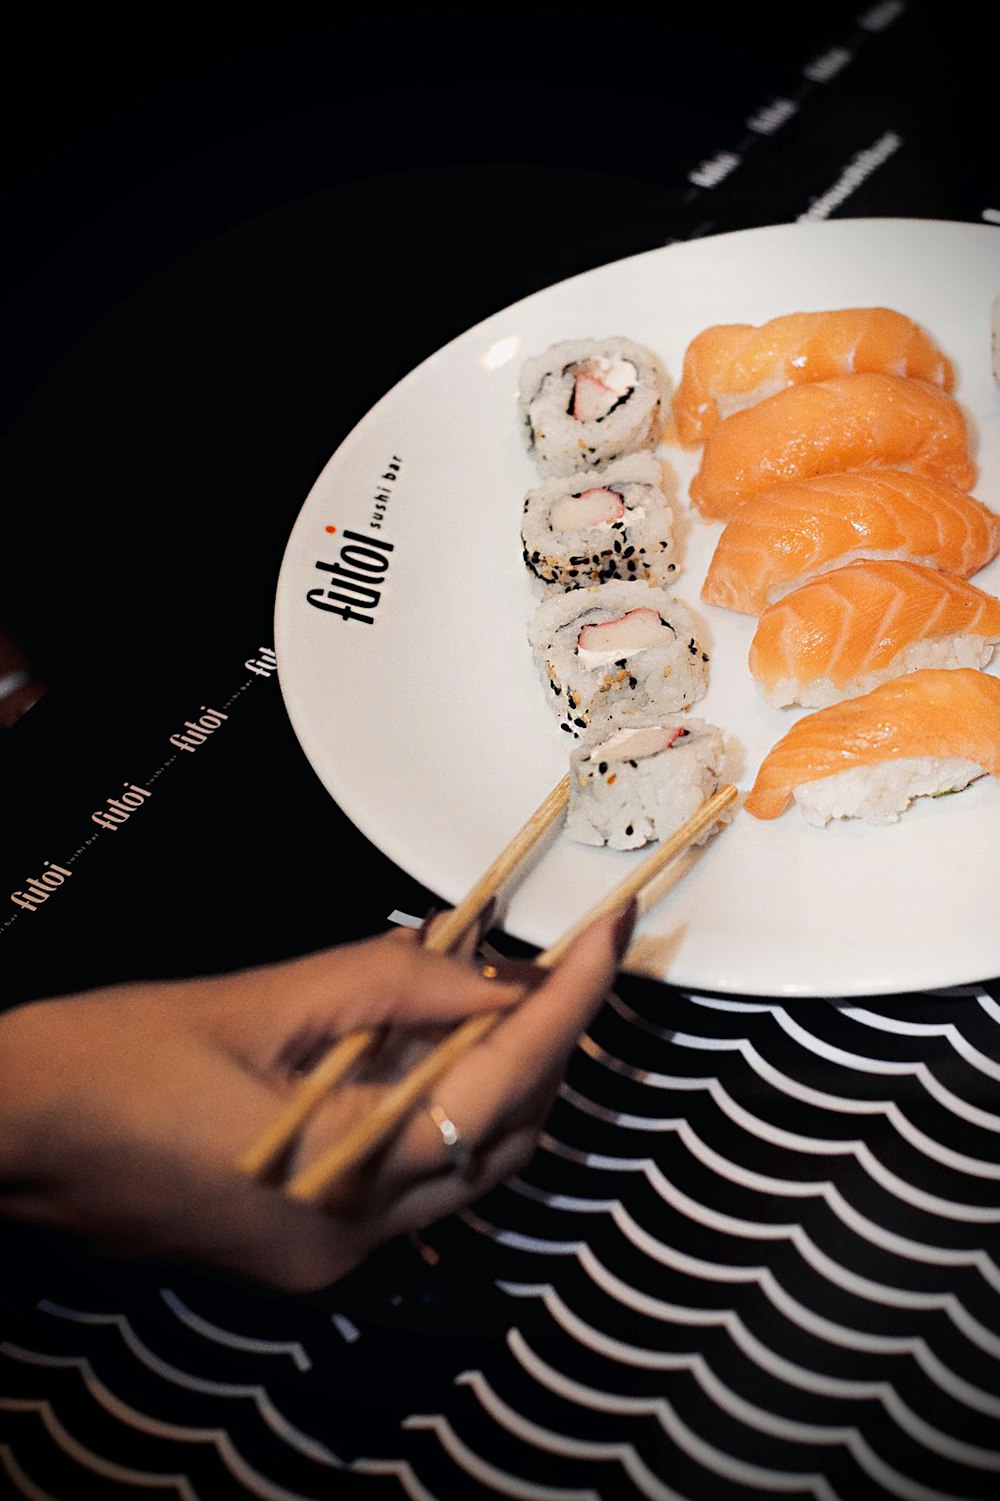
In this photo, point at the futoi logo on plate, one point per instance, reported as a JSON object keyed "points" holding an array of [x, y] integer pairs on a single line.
{"points": [[356, 579]]}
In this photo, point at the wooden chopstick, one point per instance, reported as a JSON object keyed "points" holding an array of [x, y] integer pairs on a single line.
{"points": [[443, 936], [397, 1102]]}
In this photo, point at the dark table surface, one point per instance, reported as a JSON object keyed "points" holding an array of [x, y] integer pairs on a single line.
{"points": [[756, 1253]]}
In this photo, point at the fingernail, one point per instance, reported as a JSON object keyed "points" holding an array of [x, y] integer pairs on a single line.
{"points": [[624, 927]]}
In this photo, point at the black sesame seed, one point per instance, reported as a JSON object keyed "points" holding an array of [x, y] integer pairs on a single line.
{"points": [[602, 768]]}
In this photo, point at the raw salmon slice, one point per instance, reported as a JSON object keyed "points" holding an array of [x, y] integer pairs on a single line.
{"points": [[901, 731], [849, 422], [846, 632], [788, 535], [731, 366]]}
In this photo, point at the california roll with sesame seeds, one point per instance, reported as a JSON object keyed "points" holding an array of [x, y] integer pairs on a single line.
{"points": [[598, 525], [635, 779], [586, 402], [617, 646]]}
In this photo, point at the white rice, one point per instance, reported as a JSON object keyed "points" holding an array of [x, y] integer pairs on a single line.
{"points": [[640, 545], [562, 444], [662, 678], [947, 651], [880, 793], [628, 803]]}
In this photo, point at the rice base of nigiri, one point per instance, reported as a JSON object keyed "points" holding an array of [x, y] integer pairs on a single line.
{"points": [[929, 732], [880, 794], [951, 651]]}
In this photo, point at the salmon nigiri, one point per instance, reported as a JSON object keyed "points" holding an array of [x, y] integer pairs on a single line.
{"points": [[789, 534], [929, 732], [848, 422], [849, 630], [731, 366]]}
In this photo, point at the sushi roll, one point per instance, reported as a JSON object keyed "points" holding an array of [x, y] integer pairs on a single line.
{"points": [[586, 528], [636, 779], [617, 646], [856, 627], [932, 731], [586, 402]]}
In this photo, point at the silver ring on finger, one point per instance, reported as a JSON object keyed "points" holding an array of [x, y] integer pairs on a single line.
{"points": [[461, 1157]]}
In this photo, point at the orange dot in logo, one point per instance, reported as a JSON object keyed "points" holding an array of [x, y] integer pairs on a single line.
{"points": [[331, 528]]}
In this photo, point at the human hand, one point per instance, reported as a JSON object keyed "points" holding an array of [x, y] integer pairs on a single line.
{"points": [[124, 1110]]}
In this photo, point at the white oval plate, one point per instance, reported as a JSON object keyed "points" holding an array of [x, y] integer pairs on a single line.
{"points": [[420, 708]]}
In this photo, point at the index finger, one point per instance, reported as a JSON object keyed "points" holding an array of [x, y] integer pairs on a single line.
{"points": [[530, 1047]]}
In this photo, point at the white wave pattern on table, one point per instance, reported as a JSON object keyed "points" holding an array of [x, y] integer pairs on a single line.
{"points": [[256, 1394], [19, 1479], [250, 1479], [292, 1348], [887, 1257], [768, 1481], [881, 1294], [86, 1459], [769, 1361], [186, 1443], [725, 1398], [411, 1486]]}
